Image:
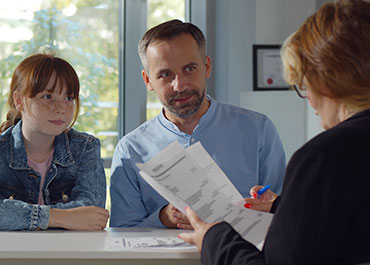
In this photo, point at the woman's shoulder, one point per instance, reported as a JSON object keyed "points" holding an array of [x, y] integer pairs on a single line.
{"points": [[340, 145], [345, 135]]}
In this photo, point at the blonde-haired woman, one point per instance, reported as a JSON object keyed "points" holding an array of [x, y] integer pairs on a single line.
{"points": [[322, 215]]}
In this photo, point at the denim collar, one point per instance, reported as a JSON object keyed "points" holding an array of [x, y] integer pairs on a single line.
{"points": [[18, 156], [204, 120]]}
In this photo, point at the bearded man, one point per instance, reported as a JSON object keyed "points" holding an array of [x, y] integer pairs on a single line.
{"points": [[244, 144]]}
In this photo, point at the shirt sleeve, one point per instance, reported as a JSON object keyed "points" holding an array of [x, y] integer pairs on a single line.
{"points": [[127, 207], [275, 205], [18, 215], [272, 158], [223, 245]]}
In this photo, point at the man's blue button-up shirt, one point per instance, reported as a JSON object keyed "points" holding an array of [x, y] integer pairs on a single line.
{"points": [[244, 144]]}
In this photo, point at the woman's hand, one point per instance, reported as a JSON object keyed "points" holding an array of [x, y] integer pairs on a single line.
{"points": [[88, 218], [200, 228], [261, 203]]}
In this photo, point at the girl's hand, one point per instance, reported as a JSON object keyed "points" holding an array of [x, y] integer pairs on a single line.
{"points": [[262, 203], [200, 228], [88, 218]]}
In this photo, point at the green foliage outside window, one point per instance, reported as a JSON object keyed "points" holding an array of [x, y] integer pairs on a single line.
{"points": [[160, 11], [85, 33]]}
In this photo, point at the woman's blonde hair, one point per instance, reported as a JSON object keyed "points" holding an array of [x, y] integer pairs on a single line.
{"points": [[333, 47], [32, 76]]}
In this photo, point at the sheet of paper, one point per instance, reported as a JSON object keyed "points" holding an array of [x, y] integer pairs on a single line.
{"points": [[146, 243], [215, 173], [190, 177]]}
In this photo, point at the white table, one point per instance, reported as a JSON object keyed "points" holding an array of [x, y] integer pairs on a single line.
{"points": [[88, 248]]}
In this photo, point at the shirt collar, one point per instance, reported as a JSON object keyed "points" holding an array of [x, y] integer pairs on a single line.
{"points": [[62, 150], [18, 156]]}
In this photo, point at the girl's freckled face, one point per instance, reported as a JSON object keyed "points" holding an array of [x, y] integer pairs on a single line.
{"points": [[48, 112]]}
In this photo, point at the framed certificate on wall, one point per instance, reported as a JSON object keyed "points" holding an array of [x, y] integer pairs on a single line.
{"points": [[268, 68]]}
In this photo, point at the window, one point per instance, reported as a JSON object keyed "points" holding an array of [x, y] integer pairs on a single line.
{"points": [[85, 33], [160, 11], [93, 36], [82, 32]]}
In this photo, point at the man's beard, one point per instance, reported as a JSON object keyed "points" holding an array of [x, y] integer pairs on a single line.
{"points": [[187, 109]]}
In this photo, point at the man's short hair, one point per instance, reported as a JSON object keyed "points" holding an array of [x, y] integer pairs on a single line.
{"points": [[167, 31]]}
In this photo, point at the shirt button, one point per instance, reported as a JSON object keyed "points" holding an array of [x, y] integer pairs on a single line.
{"points": [[33, 176], [64, 197]]}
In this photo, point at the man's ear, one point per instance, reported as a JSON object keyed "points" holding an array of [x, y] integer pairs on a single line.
{"points": [[208, 66], [18, 100], [146, 80]]}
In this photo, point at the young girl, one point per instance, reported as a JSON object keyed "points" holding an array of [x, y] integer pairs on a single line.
{"points": [[50, 174]]}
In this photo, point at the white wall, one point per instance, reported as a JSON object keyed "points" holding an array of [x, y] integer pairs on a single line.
{"points": [[230, 35], [277, 19], [232, 28], [295, 120]]}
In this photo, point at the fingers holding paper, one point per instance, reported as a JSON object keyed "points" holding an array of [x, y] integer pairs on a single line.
{"points": [[200, 229], [171, 217]]}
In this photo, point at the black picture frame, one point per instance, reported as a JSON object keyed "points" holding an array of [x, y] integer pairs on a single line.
{"points": [[267, 68]]}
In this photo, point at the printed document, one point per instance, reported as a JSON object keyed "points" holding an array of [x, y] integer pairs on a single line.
{"points": [[190, 177], [169, 243]]}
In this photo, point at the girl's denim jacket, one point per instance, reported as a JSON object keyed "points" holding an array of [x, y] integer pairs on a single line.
{"points": [[76, 178]]}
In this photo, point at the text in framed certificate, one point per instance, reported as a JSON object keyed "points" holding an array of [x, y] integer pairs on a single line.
{"points": [[268, 68]]}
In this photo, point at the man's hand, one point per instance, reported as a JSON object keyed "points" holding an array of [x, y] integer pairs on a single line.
{"points": [[171, 217], [200, 229], [89, 218]]}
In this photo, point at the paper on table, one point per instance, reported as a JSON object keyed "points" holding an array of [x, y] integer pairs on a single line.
{"points": [[202, 185], [146, 243]]}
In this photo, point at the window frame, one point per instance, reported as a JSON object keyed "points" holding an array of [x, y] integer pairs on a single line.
{"points": [[132, 91]]}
